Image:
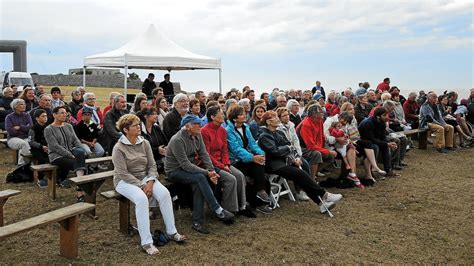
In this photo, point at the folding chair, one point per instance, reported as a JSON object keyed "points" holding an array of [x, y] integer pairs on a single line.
{"points": [[279, 187]]}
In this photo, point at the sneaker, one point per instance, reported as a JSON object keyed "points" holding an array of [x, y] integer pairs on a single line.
{"points": [[65, 183], [265, 209], [319, 174], [441, 150], [247, 213], [263, 196], [330, 197], [200, 228], [102, 167], [43, 183], [329, 205], [226, 216], [302, 196]]}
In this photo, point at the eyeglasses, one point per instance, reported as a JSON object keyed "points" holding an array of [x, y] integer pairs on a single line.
{"points": [[134, 125], [91, 99]]}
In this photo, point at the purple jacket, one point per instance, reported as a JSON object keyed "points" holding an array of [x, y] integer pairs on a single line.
{"points": [[23, 120]]}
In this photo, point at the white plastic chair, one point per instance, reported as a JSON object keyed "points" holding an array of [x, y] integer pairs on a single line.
{"points": [[278, 189]]}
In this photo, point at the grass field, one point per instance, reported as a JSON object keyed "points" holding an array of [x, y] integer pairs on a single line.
{"points": [[424, 217]]}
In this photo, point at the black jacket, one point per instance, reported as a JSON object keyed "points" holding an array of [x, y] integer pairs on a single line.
{"points": [[36, 137], [75, 107], [171, 123], [156, 139], [167, 88], [277, 149], [148, 87], [87, 132], [373, 130]]}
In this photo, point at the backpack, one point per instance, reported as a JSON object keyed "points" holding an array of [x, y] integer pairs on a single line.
{"points": [[21, 174]]}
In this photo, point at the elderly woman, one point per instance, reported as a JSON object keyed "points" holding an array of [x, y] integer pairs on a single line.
{"points": [[76, 103], [136, 179], [411, 110], [28, 95], [246, 155], [447, 114], [18, 125], [283, 160], [64, 148], [162, 109], [152, 132], [90, 104], [232, 180], [293, 107], [245, 103], [254, 124]]}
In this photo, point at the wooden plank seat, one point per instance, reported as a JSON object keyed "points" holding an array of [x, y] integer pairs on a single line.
{"points": [[125, 225], [68, 218], [49, 171], [4, 196], [422, 137], [90, 184]]}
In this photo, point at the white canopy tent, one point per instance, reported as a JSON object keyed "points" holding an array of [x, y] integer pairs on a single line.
{"points": [[151, 50]]}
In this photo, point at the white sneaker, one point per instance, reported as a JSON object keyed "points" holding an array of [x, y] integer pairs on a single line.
{"points": [[329, 205], [330, 197], [319, 174], [103, 167], [302, 196]]}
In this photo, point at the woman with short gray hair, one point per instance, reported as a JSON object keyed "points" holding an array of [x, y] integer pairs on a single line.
{"points": [[90, 105], [18, 125]]}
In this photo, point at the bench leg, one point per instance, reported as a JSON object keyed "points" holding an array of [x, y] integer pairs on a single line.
{"points": [[2, 202], [69, 237], [51, 176], [124, 215], [90, 189], [15, 155], [423, 140]]}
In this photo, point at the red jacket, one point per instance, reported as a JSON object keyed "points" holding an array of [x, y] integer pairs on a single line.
{"points": [[106, 109], [215, 139], [312, 133], [411, 109], [383, 87]]}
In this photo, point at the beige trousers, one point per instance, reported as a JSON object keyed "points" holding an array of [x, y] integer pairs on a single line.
{"points": [[444, 138]]}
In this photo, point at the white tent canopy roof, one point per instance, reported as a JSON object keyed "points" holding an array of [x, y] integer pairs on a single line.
{"points": [[152, 50]]}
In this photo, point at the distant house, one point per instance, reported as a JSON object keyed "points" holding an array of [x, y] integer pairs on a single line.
{"points": [[95, 71]]}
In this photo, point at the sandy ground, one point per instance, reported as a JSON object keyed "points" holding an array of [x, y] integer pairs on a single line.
{"points": [[426, 216]]}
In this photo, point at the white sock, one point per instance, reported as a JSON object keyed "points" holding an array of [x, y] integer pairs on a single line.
{"points": [[80, 172], [219, 211]]}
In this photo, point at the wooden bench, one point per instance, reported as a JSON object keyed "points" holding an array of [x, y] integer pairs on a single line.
{"points": [[125, 225], [422, 137], [49, 171], [68, 218], [4, 196], [90, 184]]}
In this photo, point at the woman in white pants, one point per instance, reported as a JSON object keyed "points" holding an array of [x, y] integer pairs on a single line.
{"points": [[18, 125], [136, 178]]}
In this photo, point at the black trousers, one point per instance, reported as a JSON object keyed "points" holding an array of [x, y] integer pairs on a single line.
{"points": [[256, 172], [304, 180], [68, 164]]}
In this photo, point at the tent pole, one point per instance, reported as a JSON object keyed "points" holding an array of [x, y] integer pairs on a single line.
{"points": [[125, 76], [220, 80], [84, 77]]}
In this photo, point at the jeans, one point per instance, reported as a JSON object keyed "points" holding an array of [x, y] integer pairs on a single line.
{"points": [[66, 164], [138, 197], [201, 191], [98, 151]]}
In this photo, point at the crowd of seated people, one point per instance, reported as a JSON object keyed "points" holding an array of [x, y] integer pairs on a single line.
{"points": [[224, 147]]}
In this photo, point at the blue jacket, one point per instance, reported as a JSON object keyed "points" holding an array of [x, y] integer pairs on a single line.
{"points": [[237, 152]]}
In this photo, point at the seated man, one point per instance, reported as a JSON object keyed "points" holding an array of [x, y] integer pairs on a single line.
{"points": [[373, 129], [312, 139], [44, 104], [430, 117], [188, 162], [172, 121], [111, 134]]}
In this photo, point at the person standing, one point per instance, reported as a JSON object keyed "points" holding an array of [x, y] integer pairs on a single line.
{"points": [[149, 85], [168, 89]]}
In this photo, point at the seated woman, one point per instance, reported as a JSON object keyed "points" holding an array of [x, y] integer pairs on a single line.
{"points": [[254, 125], [283, 160], [232, 180], [18, 125], [38, 144], [28, 95], [247, 156], [162, 109], [136, 179], [445, 110], [140, 103], [88, 133], [151, 131], [64, 148], [194, 107]]}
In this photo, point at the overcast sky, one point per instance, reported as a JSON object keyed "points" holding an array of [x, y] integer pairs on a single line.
{"points": [[264, 44]]}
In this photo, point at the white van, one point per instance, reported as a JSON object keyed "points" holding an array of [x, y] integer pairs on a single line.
{"points": [[20, 79]]}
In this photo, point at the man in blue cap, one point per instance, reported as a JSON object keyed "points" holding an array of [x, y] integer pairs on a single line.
{"points": [[188, 162]]}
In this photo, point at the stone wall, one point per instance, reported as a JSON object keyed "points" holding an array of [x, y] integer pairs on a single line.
{"points": [[110, 81]]}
